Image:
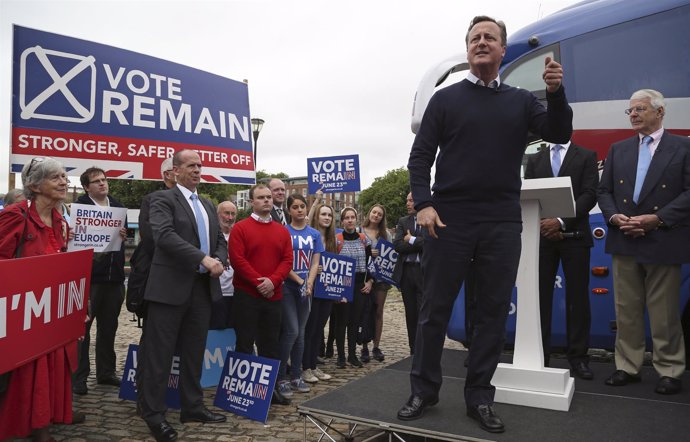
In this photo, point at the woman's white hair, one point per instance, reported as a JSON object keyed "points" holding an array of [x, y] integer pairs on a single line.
{"points": [[37, 170]]}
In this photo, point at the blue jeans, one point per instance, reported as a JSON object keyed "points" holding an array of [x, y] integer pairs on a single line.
{"points": [[295, 315]]}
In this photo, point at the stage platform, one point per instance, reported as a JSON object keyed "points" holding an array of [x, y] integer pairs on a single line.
{"points": [[597, 413]]}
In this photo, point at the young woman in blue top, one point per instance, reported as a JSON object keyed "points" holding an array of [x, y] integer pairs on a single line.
{"points": [[307, 247], [323, 220]]}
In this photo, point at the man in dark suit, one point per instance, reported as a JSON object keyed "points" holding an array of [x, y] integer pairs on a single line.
{"points": [[279, 212], [106, 293], [474, 215], [140, 263], [644, 195], [567, 240], [145, 232], [407, 273], [190, 252]]}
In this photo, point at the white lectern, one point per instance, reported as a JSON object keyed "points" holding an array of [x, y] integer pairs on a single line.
{"points": [[526, 381]]}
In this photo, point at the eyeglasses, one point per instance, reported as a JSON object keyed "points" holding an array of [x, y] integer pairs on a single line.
{"points": [[637, 110], [33, 161]]}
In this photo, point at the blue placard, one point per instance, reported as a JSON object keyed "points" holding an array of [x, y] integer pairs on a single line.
{"points": [[333, 174], [218, 344], [89, 103], [246, 385], [128, 386], [384, 264], [337, 277]]}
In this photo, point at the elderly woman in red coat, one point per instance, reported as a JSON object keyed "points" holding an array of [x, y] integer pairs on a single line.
{"points": [[39, 393]]}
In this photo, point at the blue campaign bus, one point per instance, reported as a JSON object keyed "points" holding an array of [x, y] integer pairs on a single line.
{"points": [[608, 49]]}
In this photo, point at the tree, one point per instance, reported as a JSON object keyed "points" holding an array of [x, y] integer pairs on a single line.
{"points": [[390, 191], [131, 192]]}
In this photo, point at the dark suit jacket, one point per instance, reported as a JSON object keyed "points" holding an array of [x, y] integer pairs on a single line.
{"points": [[145, 232], [276, 218], [177, 254], [580, 165], [403, 247], [665, 192]]}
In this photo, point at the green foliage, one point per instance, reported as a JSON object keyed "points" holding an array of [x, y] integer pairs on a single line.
{"points": [[389, 190], [131, 192]]}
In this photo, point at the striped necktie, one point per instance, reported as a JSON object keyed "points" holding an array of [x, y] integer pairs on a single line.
{"points": [[281, 215]]}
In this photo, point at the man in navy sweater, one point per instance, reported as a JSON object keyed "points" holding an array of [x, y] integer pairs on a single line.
{"points": [[479, 127]]}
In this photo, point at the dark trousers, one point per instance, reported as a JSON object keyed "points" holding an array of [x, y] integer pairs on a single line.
{"points": [[495, 248], [578, 317], [348, 318], [412, 292], [105, 302], [175, 330], [257, 320], [222, 313], [313, 334]]}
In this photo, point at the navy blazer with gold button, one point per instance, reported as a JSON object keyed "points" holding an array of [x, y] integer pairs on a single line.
{"points": [[665, 192]]}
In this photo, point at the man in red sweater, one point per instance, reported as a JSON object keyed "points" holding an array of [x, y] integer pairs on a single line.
{"points": [[261, 254]]}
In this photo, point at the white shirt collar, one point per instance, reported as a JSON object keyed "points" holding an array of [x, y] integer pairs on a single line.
{"points": [[656, 135], [107, 202], [266, 220], [186, 192], [473, 78]]}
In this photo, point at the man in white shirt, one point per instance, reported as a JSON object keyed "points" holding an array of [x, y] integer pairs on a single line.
{"points": [[221, 315]]}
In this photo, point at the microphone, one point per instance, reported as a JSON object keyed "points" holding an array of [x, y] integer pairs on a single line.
{"points": [[576, 234]]}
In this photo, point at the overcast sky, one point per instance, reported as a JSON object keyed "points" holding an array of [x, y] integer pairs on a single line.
{"points": [[329, 78]]}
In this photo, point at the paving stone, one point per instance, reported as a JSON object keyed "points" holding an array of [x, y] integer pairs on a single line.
{"points": [[112, 419]]}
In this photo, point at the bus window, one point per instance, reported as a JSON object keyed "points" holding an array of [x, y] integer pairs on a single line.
{"points": [[526, 73]]}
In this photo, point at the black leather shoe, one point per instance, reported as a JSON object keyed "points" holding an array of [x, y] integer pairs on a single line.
{"points": [[80, 388], [110, 380], [668, 385], [352, 360], [204, 416], [341, 362], [365, 358], [279, 399], [582, 370], [487, 418], [620, 378], [163, 432], [377, 354], [414, 407]]}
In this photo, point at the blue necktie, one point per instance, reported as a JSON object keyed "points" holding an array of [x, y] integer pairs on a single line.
{"points": [[556, 159], [643, 159], [201, 226]]}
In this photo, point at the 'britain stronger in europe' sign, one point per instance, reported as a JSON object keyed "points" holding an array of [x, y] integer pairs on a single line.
{"points": [[86, 103]]}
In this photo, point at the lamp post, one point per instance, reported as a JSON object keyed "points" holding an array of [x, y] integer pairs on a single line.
{"points": [[257, 125]]}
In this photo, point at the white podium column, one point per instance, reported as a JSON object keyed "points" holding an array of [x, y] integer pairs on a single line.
{"points": [[526, 381]]}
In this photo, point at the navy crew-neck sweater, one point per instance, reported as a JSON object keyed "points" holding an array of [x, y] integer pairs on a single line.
{"points": [[480, 135]]}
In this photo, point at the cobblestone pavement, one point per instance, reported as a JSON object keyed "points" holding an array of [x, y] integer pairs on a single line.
{"points": [[112, 419]]}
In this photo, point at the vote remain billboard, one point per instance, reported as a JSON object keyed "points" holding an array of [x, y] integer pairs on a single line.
{"points": [[86, 103]]}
